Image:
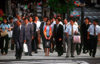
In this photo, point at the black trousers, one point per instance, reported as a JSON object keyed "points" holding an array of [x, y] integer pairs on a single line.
{"points": [[35, 42], [59, 47], [0, 43], [78, 48], [4, 46], [43, 41], [19, 49], [93, 44], [85, 44]]}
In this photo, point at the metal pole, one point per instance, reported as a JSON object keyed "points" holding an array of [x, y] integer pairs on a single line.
{"points": [[82, 14]]}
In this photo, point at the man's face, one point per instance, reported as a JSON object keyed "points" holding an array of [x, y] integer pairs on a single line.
{"points": [[53, 19], [86, 21], [65, 21], [94, 22], [36, 18], [30, 19], [26, 21], [57, 22], [11, 20], [18, 23], [18, 17], [44, 19], [71, 22]]}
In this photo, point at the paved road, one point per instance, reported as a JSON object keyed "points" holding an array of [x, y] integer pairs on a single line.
{"points": [[40, 58]]}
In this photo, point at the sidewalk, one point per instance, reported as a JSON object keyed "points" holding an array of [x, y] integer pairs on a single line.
{"points": [[41, 56]]}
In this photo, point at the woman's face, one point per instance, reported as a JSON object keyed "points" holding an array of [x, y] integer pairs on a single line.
{"points": [[5, 21], [48, 22]]}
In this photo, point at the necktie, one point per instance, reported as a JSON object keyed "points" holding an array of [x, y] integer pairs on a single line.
{"points": [[25, 28], [19, 29], [94, 30], [65, 27], [72, 30], [56, 27]]}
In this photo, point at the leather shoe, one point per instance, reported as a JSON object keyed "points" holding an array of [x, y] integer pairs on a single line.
{"points": [[72, 56], [16, 57], [36, 52], [90, 53], [93, 56], [30, 54], [67, 56], [26, 54]]}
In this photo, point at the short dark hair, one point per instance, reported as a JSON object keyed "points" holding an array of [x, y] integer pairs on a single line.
{"points": [[58, 19], [25, 18], [45, 17], [10, 18], [95, 20], [87, 18]]}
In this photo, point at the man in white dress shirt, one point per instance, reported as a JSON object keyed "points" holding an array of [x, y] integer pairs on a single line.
{"points": [[38, 23], [65, 38], [70, 31], [93, 33]]}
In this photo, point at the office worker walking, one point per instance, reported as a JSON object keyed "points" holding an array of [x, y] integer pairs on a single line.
{"points": [[93, 33], [18, 38]]}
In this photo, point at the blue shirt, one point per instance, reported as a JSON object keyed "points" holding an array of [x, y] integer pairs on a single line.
{"points": [[4, 26], [47, 30]]}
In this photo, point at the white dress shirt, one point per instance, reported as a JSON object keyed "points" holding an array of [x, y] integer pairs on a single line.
{"points": [[20, 27], [75, 23], [60, 23], [38, 25], [52, 24], [91, 29], [65, 25], [69, 29]]}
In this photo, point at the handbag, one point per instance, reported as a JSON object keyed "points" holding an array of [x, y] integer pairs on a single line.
{"points": [[10, 34], [76, 39], [47, 44], [25, 48], [4, 33]]}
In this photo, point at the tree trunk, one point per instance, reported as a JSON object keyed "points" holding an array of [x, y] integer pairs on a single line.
{"points": [[51, 12], [63, 16], [82, 20], [68, 14]]}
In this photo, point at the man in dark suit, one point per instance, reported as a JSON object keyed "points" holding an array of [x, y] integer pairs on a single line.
{"points": [[28, 35], [19, 38], [84, 28], [58, 36]]}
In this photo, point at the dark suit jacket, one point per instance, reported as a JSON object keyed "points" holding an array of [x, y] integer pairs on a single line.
{"points": [[58, 32], [19, 35], [34, 29], [84, 28], [41, 29], [29, 32]]}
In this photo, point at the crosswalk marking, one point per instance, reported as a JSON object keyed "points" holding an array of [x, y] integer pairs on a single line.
{"points": [[46, 62]]}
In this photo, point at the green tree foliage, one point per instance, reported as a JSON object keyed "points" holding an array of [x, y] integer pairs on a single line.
{"points": [[61, 6]]}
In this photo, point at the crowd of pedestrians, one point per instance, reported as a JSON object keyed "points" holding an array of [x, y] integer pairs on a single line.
{"points": [[55, 34]]}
